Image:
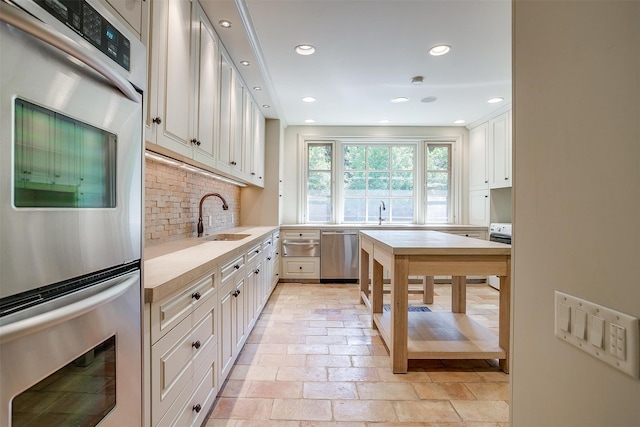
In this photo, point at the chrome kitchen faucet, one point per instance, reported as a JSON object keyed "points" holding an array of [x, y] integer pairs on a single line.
{"points": [[224, 207]]}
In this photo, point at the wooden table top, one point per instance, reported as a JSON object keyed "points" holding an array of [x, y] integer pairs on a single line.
{"points": [[427, 242]]}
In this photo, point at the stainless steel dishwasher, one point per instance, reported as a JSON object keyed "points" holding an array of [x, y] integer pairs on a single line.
{"points": [[339, 255]]}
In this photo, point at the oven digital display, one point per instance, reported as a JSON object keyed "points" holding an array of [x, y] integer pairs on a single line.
{"points": [[93, 27]]}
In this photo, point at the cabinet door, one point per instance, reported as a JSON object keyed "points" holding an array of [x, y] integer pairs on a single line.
{"points": [[237, 124], [208, 92], [479, 207], [500, 151], [240, 318], [226, 332], [226, 109], [131, 11], [169, 121], [258, 147], [478, 158]]}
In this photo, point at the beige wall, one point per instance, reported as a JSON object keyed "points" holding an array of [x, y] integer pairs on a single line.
{"points": [[576, 202]]}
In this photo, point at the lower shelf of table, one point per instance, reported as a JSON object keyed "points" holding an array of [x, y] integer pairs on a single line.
{"points": [[443, 335]]}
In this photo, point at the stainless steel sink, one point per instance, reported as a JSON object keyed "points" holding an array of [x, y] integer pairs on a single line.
{"points": [[225, 237]]}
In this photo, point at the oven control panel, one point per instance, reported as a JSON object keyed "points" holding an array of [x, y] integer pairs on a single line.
{"points": [[93, 27]]}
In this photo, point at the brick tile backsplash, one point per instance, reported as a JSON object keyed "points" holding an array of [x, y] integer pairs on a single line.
{"points": [[172, 196]]}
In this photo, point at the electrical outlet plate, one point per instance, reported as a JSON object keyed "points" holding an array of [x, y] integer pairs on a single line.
{"points": [[606, 334]]}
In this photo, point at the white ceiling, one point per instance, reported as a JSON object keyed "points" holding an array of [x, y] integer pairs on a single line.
{"points": [[367, 51]]}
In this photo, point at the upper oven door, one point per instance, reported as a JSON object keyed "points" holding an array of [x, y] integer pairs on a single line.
{"points": [[70, 158]]}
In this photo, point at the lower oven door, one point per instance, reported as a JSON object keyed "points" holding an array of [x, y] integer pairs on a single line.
{"points": [[75, 360]]}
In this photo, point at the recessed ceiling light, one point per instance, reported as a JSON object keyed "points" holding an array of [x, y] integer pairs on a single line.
{"points": [[225, 24], [459, 122], [308, 99], [305, 49], [399, 99], [245, 63], [384, 121], [266, 106], [440, 50], [495, 100], [417, 80], [429, 99], [257, 88], [309, 121]]}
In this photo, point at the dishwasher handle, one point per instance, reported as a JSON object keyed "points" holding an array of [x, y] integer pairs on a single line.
{"points": [[341, 233]]}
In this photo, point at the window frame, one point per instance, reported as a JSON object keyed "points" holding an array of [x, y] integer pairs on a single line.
{"points": [[337, 191]]}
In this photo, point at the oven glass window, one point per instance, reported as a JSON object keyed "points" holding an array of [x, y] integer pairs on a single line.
{"points": [[79, 394], [61, 162]]}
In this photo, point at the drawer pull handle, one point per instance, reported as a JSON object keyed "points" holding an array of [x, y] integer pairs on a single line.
{"points": [[237, 267], [196, 296], [197, 407], [268, 258], [157, 120], [300, 267], [196, 344], [236, 293], [256, 271], [257, 251]]}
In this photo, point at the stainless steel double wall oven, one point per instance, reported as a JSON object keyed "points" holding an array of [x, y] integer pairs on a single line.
{"points": [[71, 215]]}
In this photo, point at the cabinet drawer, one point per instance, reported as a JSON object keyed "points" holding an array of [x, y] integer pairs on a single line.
{"points": [[229, 269], [201, 389], [253, 253], [300, 234], [167, 313], [178, 353], [301, 267]]}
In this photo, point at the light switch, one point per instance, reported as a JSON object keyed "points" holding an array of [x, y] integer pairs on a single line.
{"points": [[609, 335], [596, 332], [564, 317], [579, 327], [621, 341]]}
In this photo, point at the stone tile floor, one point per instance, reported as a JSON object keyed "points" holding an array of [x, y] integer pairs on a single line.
{"points": [[313, 360]]}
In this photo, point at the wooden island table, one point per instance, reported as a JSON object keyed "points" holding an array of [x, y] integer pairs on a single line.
{"points": [[433, 335]]}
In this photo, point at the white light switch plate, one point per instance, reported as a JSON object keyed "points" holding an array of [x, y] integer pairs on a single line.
{"points": [[622, 351]]}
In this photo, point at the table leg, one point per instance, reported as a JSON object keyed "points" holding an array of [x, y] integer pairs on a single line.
{"points": [[365, 287], [399, 314], [504, 320], [427, 289], [377, 290], [459, 294]]}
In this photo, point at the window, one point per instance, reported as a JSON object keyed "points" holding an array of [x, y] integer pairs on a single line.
{"points": [[438, 191], [361, 181], [376, 176], [319, 177]]}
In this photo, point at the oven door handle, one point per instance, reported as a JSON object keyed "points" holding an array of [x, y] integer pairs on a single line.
{"points": [[30, 25], [50, 318]]}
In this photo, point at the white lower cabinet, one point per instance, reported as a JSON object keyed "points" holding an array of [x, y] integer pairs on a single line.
{"points": [[178, 355], [197, 333], [301, 267]]}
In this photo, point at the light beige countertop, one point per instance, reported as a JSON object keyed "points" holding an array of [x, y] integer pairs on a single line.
{"points": [[387, 226], [429, 242], [170, 266]]}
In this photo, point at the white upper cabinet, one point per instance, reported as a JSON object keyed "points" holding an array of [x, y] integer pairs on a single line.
{"points": [[131, 11], [500, 151], [168, 121], [230, 158], [208, 92], [253, 141], [478, 158], [198, 106]]}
